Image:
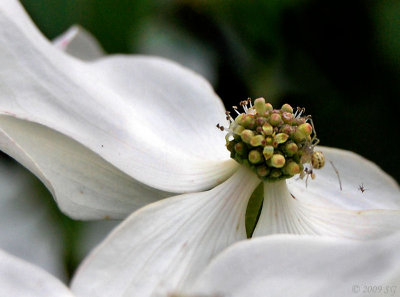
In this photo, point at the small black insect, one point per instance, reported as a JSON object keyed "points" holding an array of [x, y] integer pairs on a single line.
{"points": [[362, 188]]}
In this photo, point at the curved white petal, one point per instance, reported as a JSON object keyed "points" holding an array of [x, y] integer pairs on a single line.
{"points": [[164, 246], [83, 184], [79, 43], [21, 279], [303, 266], [150, 118], [382, 191], [27, 228], [283, 212]]}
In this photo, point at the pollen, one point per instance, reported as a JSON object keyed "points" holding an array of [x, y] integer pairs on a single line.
{"points": [[275, 143]]}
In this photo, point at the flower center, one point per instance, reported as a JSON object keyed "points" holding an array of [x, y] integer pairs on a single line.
{"points": [[274, 143]]}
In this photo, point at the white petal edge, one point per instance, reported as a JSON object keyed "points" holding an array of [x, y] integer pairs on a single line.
{"points": [[83, 184], [79, 43], [283, 212], [22, 279], [284, 265], [382, 190], [28, 228], [149, 117], [164, 246]]}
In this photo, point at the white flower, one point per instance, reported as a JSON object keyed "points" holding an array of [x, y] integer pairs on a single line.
{"points": [[109, 136], [278, 265]]}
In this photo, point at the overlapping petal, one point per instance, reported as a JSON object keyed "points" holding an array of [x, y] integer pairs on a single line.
{"points": [[321, 208], [84, 185], [19, 278], [150, 118], [27, 228], [164, 246], [382, 190], [284, 265], [79, 43]]}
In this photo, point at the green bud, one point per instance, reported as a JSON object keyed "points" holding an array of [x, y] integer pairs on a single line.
{"points": [[262, 170], [268, 106], [259, 105], [306, 129], [238, 130], [239, 118], [298, 136], [275, 119], [287, 117], [275, 173], [240, 148], [261, 121], [287, 108], [268, 129], [255, 157], [277, 161], [287, 129], [257, 140], [248, 121], [291, 168], [291, 148], [280, 138], [246, 135], [268, 152]]}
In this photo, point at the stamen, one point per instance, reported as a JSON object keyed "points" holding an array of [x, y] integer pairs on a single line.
{"points": [[235, 109]]}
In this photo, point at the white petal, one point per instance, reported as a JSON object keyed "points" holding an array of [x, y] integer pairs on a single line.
{"points": [[27, 227], [164, 246], [150, 118], [84, 185], [21, 279], [304, 266], [79, 43], [285, 213], [382, 191]]}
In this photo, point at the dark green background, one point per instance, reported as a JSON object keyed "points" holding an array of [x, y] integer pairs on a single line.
{"points": [[339, 59]]}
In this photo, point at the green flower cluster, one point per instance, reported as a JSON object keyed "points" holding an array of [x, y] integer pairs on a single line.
{"points": [[274, 143]]}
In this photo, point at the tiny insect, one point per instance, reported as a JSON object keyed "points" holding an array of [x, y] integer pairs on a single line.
{"points": [[362, 188]]}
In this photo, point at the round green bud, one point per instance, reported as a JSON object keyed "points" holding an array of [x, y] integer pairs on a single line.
{"points": [[287, 117], [238, 129], [298, 136], [291, 168], [259, 105], [286, 107], [240, 148], [257, 140], [261, 121], [255, 157], [268, 152], [277, 161], [262, 170], [239, 118], [268, 129], [275, 119], [291, 148], [275, 173], [287, 129], [248, 121], [269, 106], [246, 135], [306, 129]]}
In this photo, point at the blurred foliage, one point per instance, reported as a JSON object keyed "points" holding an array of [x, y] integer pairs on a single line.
{"points": [[339, 59]]}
